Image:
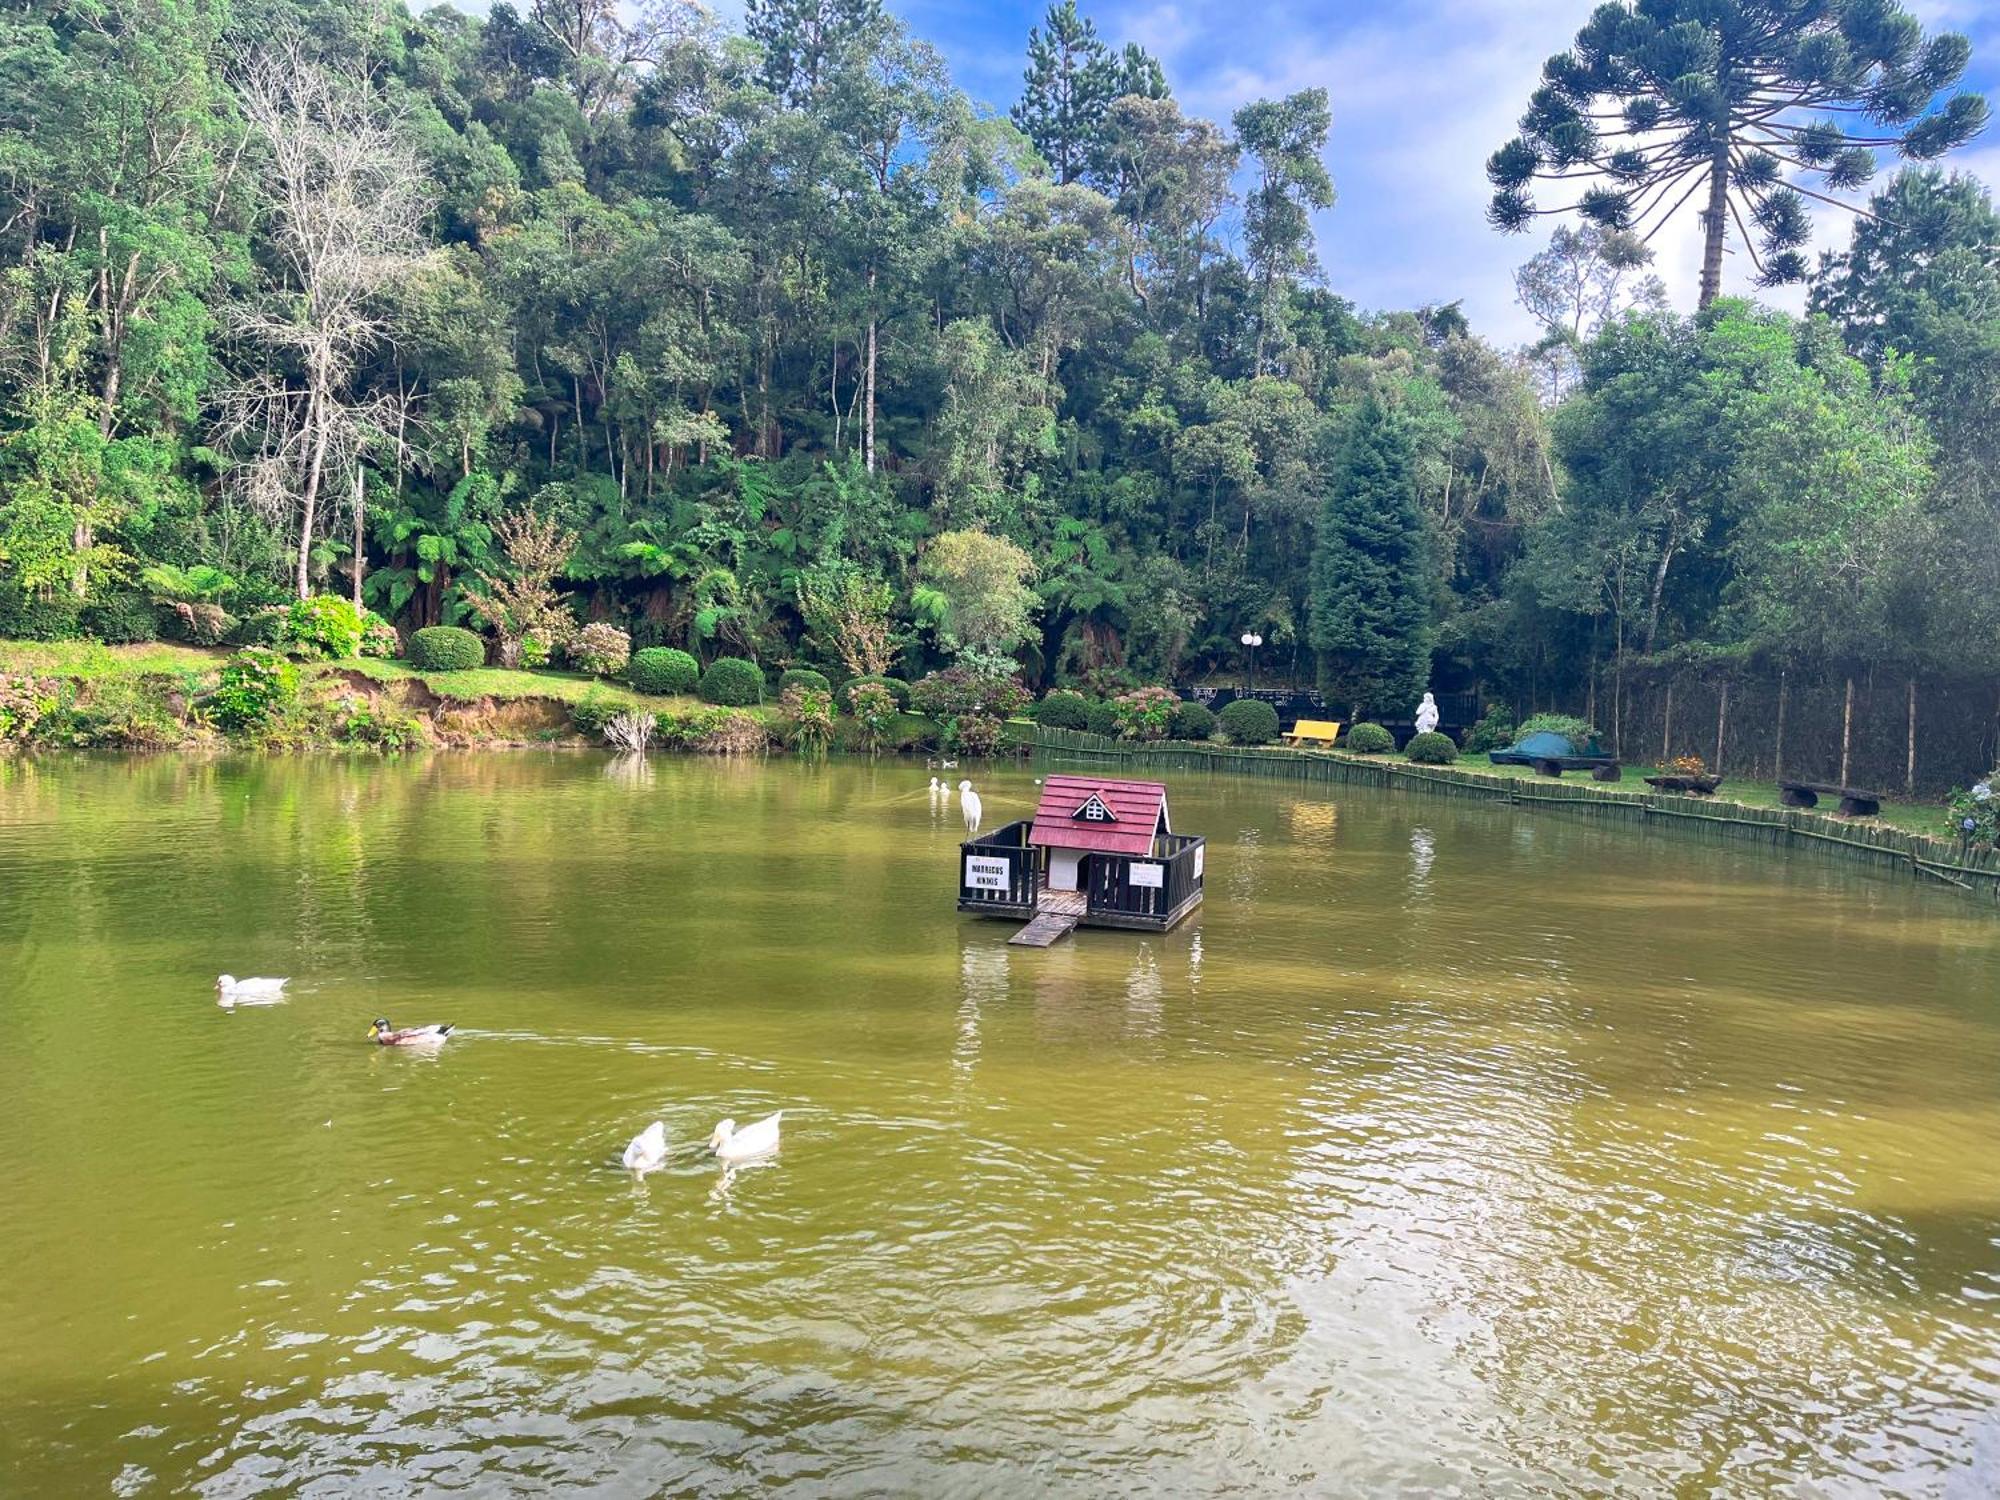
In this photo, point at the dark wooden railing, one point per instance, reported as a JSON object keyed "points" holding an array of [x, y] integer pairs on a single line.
{"points": [[1113, 893], [1019, 885]]}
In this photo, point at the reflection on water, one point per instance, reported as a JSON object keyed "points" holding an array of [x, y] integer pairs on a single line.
{"points": [[1447, 1150]]}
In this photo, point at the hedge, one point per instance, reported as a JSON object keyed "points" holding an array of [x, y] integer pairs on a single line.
{"points": [[663, 670], [447, 648], [1248, 721], [733, 682]]}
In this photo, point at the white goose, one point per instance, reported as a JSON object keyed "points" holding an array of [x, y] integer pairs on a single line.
{"points": [[648, 1151], [969, 803], [759, 1139], [229, 990]]}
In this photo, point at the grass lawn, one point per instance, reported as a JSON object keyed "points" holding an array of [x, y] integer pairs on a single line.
{"points": [[1912, 817], [91, 659]]}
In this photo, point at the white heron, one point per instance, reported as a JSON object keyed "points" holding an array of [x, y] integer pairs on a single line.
{"points": [[969, 801], [648, 1151], [758, 1139], [229, 990]]}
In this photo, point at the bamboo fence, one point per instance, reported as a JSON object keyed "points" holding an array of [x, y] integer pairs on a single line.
{"points": [[1796, 830]]}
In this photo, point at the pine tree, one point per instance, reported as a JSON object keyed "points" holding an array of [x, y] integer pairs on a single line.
{"points": [[1370, 620], [802, 39], [1070, 80]]}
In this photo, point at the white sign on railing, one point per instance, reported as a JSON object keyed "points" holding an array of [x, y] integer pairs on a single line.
{"points": [[1149, 875], [1200, 851], [985, 873]]}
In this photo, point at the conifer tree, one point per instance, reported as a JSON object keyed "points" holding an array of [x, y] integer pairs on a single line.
{"points": [[1370, 620], [1070, 80]]}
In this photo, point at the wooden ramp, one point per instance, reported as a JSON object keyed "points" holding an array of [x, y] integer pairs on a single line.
{"points": [[1048, 927]]}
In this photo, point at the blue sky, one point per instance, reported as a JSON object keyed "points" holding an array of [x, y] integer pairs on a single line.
{"points": [[1421, 93]]}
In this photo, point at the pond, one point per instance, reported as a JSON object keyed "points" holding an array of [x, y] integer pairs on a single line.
{"points": [[1447, 1147]]}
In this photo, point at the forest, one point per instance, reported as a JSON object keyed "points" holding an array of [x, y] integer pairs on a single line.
{"points": [[772, 343]]}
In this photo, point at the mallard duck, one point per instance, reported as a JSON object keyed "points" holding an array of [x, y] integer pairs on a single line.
{"points": [[648, 1151], [229, 990], [385, 1035], [760, 1139]]}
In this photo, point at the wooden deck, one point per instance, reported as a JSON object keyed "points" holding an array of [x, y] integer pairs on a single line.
{"points": [[1049, 927], [1063, 903]]}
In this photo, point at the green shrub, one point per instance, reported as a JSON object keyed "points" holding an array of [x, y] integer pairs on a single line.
{"points": [[664, 670], [596, 708], [123, 619], [446, 648], [1494, 732], [1368, 739], [1192, 721], [255, 683], [810, 711], [874, 709], [1248, 721], [712, 731], [199, 624], [733, 682], [1099, 717], [1579, 732], [977, 734], [601, 650], [803, 677], [1432, 749], [264, 627], [898, 689], [1063, 709], [32, 617], [325, 625]]}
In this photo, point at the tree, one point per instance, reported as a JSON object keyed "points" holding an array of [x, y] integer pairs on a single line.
{"points": [[1579, 283], [849, 612], [523, 603], [806, 40], [1370, 621], [1070, 80], [979, 591], [1286, 137], [1659, 102], [344, 200]]}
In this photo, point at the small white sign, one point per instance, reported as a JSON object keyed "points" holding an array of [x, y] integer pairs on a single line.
{"points": [[1200, 853], [1149, 875], [984, 873]]}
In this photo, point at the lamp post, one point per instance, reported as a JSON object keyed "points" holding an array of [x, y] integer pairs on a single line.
{"points": [[1251, 641]]}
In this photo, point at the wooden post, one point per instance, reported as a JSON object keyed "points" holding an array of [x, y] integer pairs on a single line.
{"points": [[1778, 750], [1721, 725], [1910, 753], [1667, 726], [1846, 728]]}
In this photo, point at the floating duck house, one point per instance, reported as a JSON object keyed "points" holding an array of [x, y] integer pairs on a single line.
{"points": [[1097, 853]]}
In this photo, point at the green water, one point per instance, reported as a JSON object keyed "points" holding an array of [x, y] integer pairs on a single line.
{"points": [[1449, 1149]]}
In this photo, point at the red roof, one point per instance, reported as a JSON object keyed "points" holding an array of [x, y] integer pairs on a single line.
{"points": [[1138, 811]]}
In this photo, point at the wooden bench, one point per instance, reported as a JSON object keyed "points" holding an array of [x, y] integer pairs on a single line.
{"points": [[1693, 786], [1314, 732], [1854, 802]]}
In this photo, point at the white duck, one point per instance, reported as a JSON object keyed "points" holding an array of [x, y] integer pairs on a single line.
{"points": [[648, 1151], [229, 990], [734, 1145], [969, 803]]}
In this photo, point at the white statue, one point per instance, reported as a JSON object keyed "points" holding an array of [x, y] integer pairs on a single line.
{"points": [[1427, 715]]}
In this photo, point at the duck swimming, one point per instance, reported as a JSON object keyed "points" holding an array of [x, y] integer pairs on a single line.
{"points": [[648, 1151], [385, 1035], [229, 990], [759, 1139]]}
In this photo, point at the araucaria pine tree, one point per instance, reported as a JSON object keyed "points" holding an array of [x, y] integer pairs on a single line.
{"points": [[1370, 622], [1666, 101], [1070, 81]]}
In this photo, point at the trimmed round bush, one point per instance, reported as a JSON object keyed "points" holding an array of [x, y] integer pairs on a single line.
{"points": [[1248, 721], [1432, 749], [803, 677], [662, 669], [447, 648], [733, 682], [122, 619], [1369, 739], [601, 650], [1101, 718], [1063, 709], [898, 689], [1191, 721]]}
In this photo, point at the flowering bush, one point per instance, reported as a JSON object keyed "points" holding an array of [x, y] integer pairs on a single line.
{"points": [[24, 702], [968, 707], [874, 710], [379, 637], [1974, 814], [978, 735], [1688, 765], [324, 625], [599, 649], [810, 710], [1145, 713]]}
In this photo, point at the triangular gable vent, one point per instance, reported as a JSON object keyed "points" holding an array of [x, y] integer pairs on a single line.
{"points": [[1094, 811]]}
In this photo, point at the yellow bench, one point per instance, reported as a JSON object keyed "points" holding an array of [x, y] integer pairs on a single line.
{"points": [[1313, 732]]}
